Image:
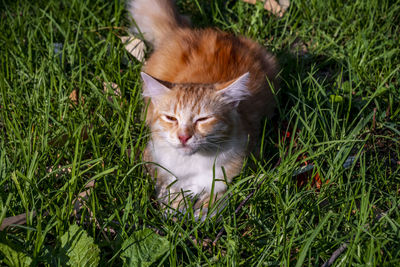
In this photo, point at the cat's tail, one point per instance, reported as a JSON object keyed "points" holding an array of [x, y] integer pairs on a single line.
{"points": [[156, 19]]}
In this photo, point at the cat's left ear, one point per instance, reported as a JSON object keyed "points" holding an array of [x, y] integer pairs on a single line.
{"points": [[152, 87], [237, 90]]}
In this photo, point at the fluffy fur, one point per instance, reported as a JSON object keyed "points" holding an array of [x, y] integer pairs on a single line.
{"points": [[206, 92]]}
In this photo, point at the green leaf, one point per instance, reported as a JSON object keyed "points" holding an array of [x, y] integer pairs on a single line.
{"points": [[78, 249], [13, 257], [143, 248], [304, 250], [346, 86], [336, 98]]}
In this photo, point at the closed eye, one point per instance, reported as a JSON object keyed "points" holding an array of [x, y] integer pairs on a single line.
{"points": [[203, 119], [170, 118]]}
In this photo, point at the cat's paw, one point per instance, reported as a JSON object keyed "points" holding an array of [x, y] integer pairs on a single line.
{"points": [[176, 205]]}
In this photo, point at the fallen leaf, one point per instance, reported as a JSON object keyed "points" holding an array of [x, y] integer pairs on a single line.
{"points": [[274, 7], [278, 8], [82, 196], [111, 88], [59, 171], [110, 85], [74, 97], [305, 174], [284, 4], [90, 184], [134, 46], [18, 219]]}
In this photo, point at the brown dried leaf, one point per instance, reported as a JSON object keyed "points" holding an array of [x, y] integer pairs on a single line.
{"points": [[134, 46], [111, 88], [82, 196], [90, 184], [273, 7], [284, 4], [278, 8], [21, 218], [74, 97], [59, 171], [18, 219]]}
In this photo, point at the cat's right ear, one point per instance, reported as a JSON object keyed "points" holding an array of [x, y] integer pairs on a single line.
{"points": [[152, 87]]}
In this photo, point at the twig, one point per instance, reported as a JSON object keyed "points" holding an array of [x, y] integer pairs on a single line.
{"points": [[374, 120], [335, 255], [343, 246], [77, 202], [18, 219], [387, 112]]}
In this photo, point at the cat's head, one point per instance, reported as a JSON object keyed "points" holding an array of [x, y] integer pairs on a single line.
{"points": [[194, 117]]}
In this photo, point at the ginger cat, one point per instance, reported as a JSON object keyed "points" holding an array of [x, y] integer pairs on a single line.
{"points": [[207, 92]]}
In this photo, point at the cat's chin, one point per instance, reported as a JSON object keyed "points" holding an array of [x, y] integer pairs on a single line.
{"points": [[186, 150]]}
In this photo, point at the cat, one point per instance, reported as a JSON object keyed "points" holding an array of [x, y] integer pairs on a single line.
{"points": [[206, 93]]}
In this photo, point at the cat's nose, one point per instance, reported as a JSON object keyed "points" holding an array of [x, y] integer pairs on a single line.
{"points": [[184, 138]]}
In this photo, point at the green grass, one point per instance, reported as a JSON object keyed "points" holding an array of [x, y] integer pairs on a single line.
{"points": [[51, 147]]}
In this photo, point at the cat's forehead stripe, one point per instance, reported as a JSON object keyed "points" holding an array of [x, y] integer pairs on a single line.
{"points": [[190, 97]]}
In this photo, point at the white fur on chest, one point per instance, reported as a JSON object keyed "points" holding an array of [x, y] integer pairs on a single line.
{"points": [[195, 173]]}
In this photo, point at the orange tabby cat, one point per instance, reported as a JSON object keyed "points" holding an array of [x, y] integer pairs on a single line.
{"points": [[207, 92]]}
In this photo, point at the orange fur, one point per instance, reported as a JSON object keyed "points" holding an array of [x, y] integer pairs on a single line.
{"points": [[210, 56], [195, 64]]}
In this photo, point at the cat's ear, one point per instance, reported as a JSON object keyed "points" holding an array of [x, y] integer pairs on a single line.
{"points": [[152, 87], [236, 91]]}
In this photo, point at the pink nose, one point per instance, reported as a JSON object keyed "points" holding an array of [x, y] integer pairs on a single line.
{"points": [[184, 138]]}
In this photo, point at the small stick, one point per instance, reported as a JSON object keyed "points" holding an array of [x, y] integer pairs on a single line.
{"points": [[387, 111], [374, 120], [335, 255], [18, 219], [343, 246]]}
